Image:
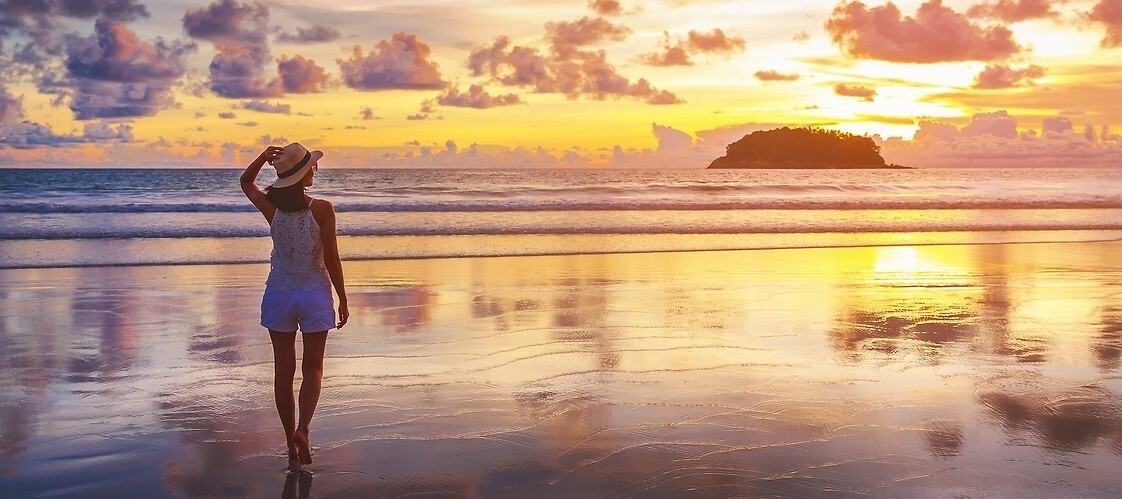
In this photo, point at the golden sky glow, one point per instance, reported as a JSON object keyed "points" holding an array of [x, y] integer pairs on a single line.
{"points": [[568, 77]]}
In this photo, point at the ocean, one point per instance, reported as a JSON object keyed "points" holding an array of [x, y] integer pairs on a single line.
{"points": [[92, 217]]}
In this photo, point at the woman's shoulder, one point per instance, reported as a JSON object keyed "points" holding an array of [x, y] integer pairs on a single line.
{"points": [[321, 205]]}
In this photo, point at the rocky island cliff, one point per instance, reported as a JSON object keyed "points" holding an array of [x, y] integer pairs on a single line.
{"points": [[802, 148]]}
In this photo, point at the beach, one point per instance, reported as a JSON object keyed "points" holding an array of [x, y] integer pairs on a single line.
{"points": [[886, 371]]}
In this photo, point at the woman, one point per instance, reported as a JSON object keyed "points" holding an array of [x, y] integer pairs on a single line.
{"points": [[303, 267]]}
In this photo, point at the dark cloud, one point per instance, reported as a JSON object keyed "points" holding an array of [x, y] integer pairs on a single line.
{"points": [[315, 34], [1012, 11], [677, 53], [935, 34], [246, 123], [367, 113], [116, 10], [227, 115], [865, 93], [1000, 76], [238, 69], [262, 106], [11, 107], [300, 75], [417, 117], [115, 74], [228, 22], [476, 98], [772, 75], [572, 73], [399, 63], [1109, 13], [31, 135], [605, 7]]}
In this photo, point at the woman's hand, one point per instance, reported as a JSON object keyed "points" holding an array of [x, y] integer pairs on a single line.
{"points": [[272, 153], [344, 314]]}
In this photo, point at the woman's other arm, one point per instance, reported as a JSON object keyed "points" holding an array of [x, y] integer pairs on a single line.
{"points": [[331, 257]]}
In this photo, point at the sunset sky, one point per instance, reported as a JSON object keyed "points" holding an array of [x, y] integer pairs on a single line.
{"points": [[554, 83]]}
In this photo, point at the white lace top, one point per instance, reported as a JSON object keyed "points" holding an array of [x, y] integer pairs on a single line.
{"points": [[297, 258]]}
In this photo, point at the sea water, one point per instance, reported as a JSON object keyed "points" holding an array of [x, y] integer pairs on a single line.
{"points": [[79, 217]]}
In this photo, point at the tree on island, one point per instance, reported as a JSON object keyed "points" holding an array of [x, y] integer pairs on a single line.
{"points": [[802, 148]]}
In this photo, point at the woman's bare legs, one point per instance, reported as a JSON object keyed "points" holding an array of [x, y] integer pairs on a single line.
{"points": [[284, 368], [311, 367]]}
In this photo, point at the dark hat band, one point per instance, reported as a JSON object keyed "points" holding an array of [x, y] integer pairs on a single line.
{"points": [[292, 171]]}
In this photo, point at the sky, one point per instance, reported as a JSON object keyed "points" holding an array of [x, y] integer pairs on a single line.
{"points": [[551, 83]]}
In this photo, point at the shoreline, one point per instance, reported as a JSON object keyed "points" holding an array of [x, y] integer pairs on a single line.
{"points": [[72, 253]]}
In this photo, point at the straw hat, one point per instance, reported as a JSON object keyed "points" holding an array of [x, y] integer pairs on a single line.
{"points": [[293, 164]]}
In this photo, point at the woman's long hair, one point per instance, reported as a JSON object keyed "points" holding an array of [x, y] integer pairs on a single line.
{"points": [[287, 199]]}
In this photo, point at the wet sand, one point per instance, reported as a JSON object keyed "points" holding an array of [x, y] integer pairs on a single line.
{"points": [[911, 371]]}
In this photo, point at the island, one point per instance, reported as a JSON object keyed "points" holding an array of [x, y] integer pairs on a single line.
{"points": [[802, 148]]}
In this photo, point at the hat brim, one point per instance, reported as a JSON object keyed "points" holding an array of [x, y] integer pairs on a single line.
{"points": [[299, 175]]}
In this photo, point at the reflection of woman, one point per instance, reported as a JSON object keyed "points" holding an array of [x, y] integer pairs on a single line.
{"points": [[303, 267]]}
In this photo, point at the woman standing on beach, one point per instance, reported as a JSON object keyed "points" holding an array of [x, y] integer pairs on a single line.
{"points": [[302, 269]]}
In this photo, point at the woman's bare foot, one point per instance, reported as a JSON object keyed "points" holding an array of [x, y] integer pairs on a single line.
{"points": [[303, 446]]}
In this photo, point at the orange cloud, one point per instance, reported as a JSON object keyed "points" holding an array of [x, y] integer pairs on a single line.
{"points": [[678, 53], [605, 7], [1012, 11], [399, 63], [865, 93], [574, 73], [1109, 13], [567, 36], [935, 34], [476, 98], [300, 75], [771, 75], [999, 76]]}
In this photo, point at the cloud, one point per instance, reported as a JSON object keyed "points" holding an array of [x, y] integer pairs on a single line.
{"points": [[315, 34], [31, 135], [566, 36], [771, 75], [238, 69], [226, 115], [997, 124], [801, 37], [714, 42], [228, 22], [246, 123], [605, 7], [417, 117], [992, 140], [573, 73], [1057, 124], [11, 107], [1109, 13], [678, 53], [1012, 11], [262, 106], [865, 93], [115, 74], [368, 114], [476, 98], [399, 63], [1000, 76], [299, 75], [935, 34], [671, 139]]}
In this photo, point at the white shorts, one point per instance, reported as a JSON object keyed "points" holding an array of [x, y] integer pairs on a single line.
{"points": [[312, 309]]}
